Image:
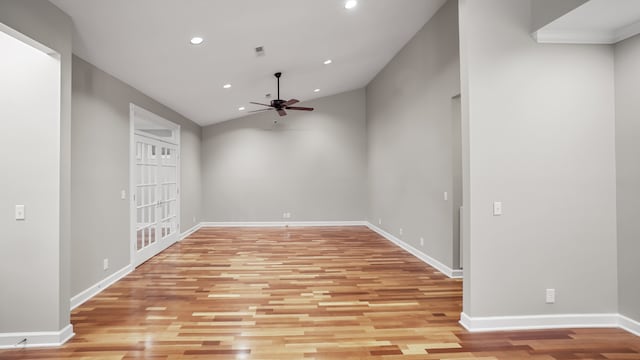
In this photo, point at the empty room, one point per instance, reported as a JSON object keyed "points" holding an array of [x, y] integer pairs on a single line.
{"points": [[335, 179]]}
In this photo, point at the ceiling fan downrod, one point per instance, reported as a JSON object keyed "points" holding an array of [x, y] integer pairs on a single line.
{"points": [[277, 75]]}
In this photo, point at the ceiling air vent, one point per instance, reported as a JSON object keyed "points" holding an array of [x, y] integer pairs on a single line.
{"points": [[259, 51]]}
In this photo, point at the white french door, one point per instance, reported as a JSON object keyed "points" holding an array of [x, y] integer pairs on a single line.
{"points": [[156, 197]]}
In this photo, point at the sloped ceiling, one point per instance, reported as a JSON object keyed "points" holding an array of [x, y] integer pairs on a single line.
{"points": [[146, 44]]}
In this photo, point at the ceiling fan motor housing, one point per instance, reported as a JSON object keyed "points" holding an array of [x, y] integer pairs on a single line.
{"points": [[278, 104]]}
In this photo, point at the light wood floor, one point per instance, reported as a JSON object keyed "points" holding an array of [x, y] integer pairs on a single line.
{"points": [[300, 293]]}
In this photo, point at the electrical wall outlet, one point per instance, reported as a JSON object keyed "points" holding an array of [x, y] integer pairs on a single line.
{"points": [[105, 264], [422, 241], [401, 231], [286, 215], [551, 296], [20, 212], [379, 221], [446, 196], [123, 194]]}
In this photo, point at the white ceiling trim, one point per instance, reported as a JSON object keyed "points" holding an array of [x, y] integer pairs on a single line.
{"points": [[586, 36], [627, 31], [574, 37]]}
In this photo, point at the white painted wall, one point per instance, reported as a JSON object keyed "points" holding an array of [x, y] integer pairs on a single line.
{"points": [[541, 133], [30, 146], [409, 132], [628, 171], [311, 164]]}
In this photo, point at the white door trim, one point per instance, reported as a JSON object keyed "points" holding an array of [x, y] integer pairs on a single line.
{"points": [[137, 112]]}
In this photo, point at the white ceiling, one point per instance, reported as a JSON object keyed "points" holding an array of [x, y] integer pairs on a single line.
{"points": [[146, 44], [595, 22]]}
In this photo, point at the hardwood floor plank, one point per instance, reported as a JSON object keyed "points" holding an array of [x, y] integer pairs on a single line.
{"points": [[300, 293]]}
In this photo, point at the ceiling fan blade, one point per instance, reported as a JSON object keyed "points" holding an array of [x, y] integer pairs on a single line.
{"points": [[291, 102], [282, 112], [261, 110], [299, 108], [259, 104]]}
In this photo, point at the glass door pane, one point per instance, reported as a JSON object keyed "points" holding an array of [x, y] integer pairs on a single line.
{"points": [[168, 190], [146, 193]]}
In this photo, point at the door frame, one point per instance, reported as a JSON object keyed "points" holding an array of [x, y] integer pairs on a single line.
{"points": [[137, 112], [457, 193]]}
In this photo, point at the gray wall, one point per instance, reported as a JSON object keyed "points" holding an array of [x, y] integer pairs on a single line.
{"points": [[312, 165], [100, 170], [541, 133], [30, 93], [628, 171], [409, 131], [45, 23]]}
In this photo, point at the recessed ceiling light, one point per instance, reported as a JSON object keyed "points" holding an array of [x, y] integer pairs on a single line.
{"points": [[327, 62], [241, 108], [350, 4], [226, 86], [196, 40], [316, 90]]}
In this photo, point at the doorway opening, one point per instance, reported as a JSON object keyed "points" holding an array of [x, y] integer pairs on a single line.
{"points": [[154, 183]]}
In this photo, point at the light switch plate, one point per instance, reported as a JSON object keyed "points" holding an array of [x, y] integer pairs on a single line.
{"points": [[497, 208], [550, 297], [19, 212]]}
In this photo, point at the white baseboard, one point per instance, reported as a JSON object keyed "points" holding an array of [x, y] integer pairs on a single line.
{"points": [[629, 325], [36, 339], [101, 285], [533, 322], [193, 229], [417, 253], [282, 223]]}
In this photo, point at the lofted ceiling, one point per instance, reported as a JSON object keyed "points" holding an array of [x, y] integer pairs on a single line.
{"points": [[594, 22], [145, 43]]}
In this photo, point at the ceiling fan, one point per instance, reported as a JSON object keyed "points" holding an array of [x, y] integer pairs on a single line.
{"points": [[281, 105]]}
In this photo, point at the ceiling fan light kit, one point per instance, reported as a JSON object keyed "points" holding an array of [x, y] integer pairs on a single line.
{"points": [[280, 105]]}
